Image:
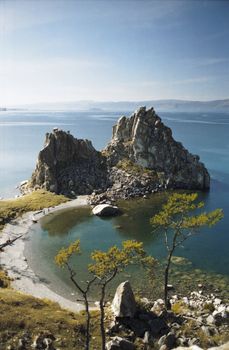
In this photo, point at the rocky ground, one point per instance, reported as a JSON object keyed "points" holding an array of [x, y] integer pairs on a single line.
{"points": [[128, 183], [198, 319], [195, 322]]}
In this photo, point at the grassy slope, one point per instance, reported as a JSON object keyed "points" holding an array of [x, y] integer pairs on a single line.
{"points": [[10, 209], [21, 314]]}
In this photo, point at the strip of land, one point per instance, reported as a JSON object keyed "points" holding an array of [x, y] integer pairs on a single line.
{"points": [[14, 262]]}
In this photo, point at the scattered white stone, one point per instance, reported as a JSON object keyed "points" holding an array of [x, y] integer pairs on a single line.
{"points": [[170, 286], [210, 319], [146, 337], [185, 300], [158, 307], [221, 308]]}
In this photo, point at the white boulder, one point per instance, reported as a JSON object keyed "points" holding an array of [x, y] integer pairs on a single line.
{"points": [[105, 210]]}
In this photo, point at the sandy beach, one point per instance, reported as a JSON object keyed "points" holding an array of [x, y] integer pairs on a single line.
{"points": [[14, 262]]}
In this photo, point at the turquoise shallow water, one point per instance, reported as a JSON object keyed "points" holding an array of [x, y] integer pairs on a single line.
{"points": [[22, 136]]}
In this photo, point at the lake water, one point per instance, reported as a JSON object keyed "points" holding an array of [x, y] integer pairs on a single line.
{"points": [[22, 136]]}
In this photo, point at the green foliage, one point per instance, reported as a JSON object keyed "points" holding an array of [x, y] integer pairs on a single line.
{"points": [[209, 307], [65, 254], [177, 222], [116, 260], [105, 266], [179, 308], [175, 214], [133, 168], [12, 208]]}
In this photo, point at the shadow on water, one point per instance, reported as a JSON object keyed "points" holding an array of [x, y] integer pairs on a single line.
{"points": [[61, 222]]}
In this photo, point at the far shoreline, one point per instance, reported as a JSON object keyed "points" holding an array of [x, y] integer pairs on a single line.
{"points": [[13, 260]]}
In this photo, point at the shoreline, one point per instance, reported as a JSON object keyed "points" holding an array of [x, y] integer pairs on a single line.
{"points": [[14, 262]]}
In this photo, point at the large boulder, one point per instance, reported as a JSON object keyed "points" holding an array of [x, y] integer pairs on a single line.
{"points": [[124, 304], [105, 210], [118, 343]]}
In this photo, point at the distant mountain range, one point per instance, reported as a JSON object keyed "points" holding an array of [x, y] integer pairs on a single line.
{"points": [[165, 105], [159, 106]]}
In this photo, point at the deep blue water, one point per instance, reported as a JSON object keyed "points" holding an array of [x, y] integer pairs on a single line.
{"points": [[22, 135]]}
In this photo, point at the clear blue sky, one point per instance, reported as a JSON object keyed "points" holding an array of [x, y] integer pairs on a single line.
{"points": [[113, 50]]}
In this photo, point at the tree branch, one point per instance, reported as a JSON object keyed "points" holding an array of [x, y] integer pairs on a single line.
{"points": [[9, 242]]}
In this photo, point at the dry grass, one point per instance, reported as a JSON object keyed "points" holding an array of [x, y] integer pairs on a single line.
{"points": [[133, 168], [23, 314], [10, 209], [4, 279]]}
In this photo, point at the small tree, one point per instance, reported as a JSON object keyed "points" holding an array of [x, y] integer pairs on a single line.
{"points": [[108, 264], [175, 220], [62, 259], [104, 269]]}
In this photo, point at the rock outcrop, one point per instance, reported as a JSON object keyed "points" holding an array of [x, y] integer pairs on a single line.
{"points": [[124, 304], [147, 142], [69, 165], [141, 158], [183, 327]]}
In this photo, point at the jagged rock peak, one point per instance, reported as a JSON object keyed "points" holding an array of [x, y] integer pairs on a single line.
{"points": [[146, 141], [141, 158], [68, 165]]}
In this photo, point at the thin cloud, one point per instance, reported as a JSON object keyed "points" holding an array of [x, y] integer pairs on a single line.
{"points": [[23, 14], [52, 65], [187, 81], [205, 61]]}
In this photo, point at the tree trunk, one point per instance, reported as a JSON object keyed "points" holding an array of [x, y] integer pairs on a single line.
{"points": [[87, 342], [167, 304], [102, 328]]}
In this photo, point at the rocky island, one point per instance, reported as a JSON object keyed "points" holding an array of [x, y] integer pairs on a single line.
{"points": [[141, 158]]}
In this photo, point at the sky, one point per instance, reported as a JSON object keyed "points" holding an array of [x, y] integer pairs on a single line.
{"points": [[113, 50]]}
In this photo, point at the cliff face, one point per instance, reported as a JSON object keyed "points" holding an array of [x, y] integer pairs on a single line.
{"points": [[141, 158], [146, 141], [69, 165]]}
